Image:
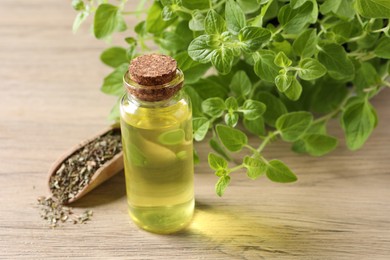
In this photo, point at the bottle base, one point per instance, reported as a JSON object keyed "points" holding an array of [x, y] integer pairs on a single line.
{"points": [[163, 220]]}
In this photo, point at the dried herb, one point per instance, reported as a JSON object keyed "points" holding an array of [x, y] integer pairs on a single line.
{"points": [[73, 175], [55, 213], [76, 172]]}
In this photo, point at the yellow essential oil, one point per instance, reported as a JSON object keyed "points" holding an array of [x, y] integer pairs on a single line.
{"points": [[158, 159]]}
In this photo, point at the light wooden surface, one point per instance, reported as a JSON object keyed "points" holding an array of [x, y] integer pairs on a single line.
{"points": [[50, 100]]}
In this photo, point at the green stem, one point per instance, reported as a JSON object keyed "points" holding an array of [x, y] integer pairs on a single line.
{"points": [[360, 20], [255, 86], [355, 39], [227, 154], [382, 30], [236, 168], [363, 56], [333, 113], [267, 140], [276, 32], [184, 10], [258, 21], [251, 148]]}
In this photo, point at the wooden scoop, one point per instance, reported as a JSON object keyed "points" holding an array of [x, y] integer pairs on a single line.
{"points": [[106, 171]]}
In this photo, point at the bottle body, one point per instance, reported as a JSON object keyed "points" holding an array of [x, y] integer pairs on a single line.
{"points": [[158, 159]]}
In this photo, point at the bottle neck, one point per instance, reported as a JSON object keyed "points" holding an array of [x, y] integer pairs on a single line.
{"points": [[155, 104]]}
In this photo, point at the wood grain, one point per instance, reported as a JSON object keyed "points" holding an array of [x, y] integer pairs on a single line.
{"points": [[49, 81]]}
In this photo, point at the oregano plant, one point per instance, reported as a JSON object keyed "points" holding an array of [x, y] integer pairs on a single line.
{"points": [[276, 69]]}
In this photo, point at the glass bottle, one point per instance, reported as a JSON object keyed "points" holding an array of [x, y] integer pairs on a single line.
{"points": [[156, 125]]}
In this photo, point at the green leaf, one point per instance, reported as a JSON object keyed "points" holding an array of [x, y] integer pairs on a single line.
{"points": [[177, 40], [248, 6], [130, 51], [196, 4], [382, 50], [275, 107], [241, 84], [80, 18], [199, 49], [192, 70], [168, 13], [231, 104], [265, 67], [185, 62], [341, 8], [235, 17], [295, 20], [197, 21], [107, 20], [282, 60], [294, 91], [255, 126], [140, 28], [318, 127], [297, 3], [214, 23], [115, 112], [195, 156], [358, 121], [299, 147], [113, 83], [366, 77], [222, 59], [329, 96], [342, 31], [283, 46], [216, 162], [283, 82], [221, 185], [293, 125], [305, 44], [231, 119], [234, 140], [78, 5], [253, 37], [114, 56], [311, 69], [154, 21], [319, 144], [373, 8], [252, 109], [277, 171], [218, 148], [196, 100], [335, 60], [210, 87], [388, 67], [213, 107], [201, 127], [255, 167]]}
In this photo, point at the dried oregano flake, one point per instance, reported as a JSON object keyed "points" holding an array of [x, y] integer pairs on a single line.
{"points": [[73, 175]]}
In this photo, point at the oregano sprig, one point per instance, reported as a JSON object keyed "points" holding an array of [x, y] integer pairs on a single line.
{"points": [[277, 69]]}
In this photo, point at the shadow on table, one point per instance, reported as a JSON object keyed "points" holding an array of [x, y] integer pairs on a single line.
{"points": [[109, 191], [236, 231]]}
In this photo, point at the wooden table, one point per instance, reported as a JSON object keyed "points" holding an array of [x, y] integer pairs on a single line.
{"points": [[50, 100]]}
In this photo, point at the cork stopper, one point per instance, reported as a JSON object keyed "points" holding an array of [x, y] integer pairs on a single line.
{"points": [[152, 69], [153, 77]]}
